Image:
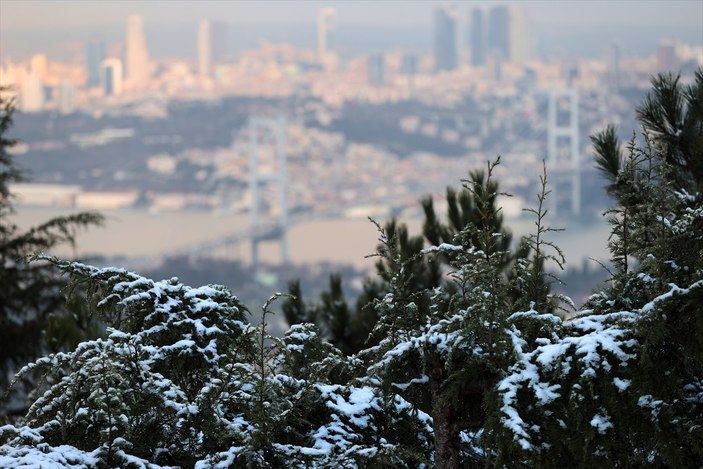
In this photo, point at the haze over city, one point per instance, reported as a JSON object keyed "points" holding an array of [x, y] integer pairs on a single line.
{"points": [[49, 26], [145, 110]]}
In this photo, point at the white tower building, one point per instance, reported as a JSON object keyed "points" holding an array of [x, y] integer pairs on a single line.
{"points": [[204, 48], [32, 92], [111, 77], [67, 97], [325, 18], [137, 55]]}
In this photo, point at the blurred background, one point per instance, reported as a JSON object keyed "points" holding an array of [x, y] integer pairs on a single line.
{"points": [[247, 143]]}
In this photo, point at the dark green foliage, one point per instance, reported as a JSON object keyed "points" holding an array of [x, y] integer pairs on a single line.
{"points": [[9, 173], [445, 345], [532, 284], [672, 115], [462, 361], [350, 328], [608, 157], [620, 384], [169, 376], [344, 327], [33, 318], [294, 309]]}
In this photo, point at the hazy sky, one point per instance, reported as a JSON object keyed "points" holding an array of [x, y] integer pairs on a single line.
{"points": [[25, 23], [35, 14]]}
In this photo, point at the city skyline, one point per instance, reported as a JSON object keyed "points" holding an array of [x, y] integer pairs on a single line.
{"points": [[27, 28], [375, 117]]}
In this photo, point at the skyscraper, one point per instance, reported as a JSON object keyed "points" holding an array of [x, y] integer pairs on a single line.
{"points": [[446, 53], [507, 34], [137, 55], [204, 48], [39, 65], [218, 42], [667, 59], [477, 38], [212, 42], [498, 39], [409, 64], [111, 77], [94, 56], [67, 97], [613, 70], [32, 92], [519, 40], [325, 17], [376, 69], [409, 68]]}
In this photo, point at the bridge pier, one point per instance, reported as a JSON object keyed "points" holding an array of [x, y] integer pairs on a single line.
{"points": [[564, 169], [276, 129]]}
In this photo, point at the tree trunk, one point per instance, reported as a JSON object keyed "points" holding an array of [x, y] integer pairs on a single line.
{"points": [[446, 429]]}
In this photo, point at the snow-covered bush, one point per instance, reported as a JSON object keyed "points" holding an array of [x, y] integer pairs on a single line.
{"points": [[621, 383], [166, 384], [470, 370], [182, 379]]}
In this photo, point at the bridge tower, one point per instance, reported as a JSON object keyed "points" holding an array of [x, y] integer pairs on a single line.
{"points": [[563, 162], [262, 131]]}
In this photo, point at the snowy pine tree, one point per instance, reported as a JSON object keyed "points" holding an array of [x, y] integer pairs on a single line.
{"points": [[33, 318], [620, 383], [474, 370]]}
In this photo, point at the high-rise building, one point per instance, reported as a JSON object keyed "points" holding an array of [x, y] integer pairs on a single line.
{"points": [[613, 70], [494, 65], [212, 43], [477, 37], [111, 77], [409, 67], [137, 55], [204, 48], [218, 41], [325, 18], [446, 53], [39, 65], [519, 40], [507, 33], [498, 39], [376, 69], [409, 64], [32, 92], [9, 75], [67, 97], [667, 59], [95, 53]]}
